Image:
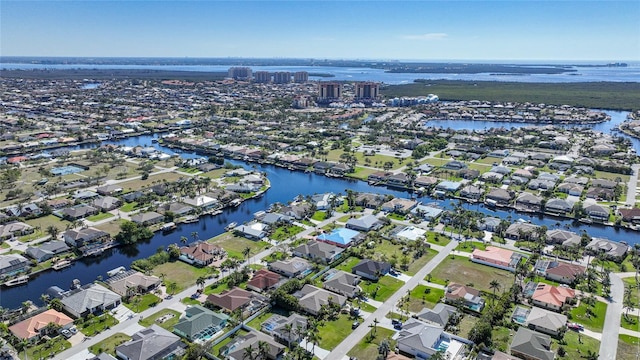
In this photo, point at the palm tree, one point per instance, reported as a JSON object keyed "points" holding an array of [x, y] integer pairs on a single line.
{"points": [[25, 306], [248, 353], [288, 328], [263, 349], [314, 339], [200, 282], [246, 252], [184, 239], [53, 231], [45, 298], [171, 287], [195, 235], [374, 326], [384, 348], [494, 285]]}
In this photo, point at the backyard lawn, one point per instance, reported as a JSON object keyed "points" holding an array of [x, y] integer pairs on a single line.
{"points": [[461, 270], [140, 303], [100, 216], [183, 274], [423, 296], [127, 207], [367, 348], [627, 347], [594, 322], [333, 332], [167, 324], [383, 289], [46, 349], [631, 283], [109, 344], [348, 264], [234, 245]]}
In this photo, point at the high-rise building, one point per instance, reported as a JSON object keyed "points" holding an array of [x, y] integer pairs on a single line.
{"points": [[301, 76], [282, 77], [240, 73], [262, 77], [367, 91], [329, 91]]}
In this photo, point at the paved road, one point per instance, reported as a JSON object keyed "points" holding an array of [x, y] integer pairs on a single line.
{"points": [[632, 185], [175, 301], [361, 331], [609, 343]]}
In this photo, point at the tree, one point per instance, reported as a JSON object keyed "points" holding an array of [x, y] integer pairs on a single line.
{"points": [[246, 252], [171, 287], [195, 235], [288, 328], [481, 332], [183, 240], [56, 304], [494, 285], [195, 352], [131, 233], [249, 353], [25, 306], [53, 231], [384, 348], [263, 349], [200, 282], [174, 251]]}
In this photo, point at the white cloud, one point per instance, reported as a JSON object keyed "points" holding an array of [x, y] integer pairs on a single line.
{"points": [[427, 36]]}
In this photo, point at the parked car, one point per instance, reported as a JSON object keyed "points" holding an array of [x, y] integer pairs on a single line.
{"points": [[395, 322], [355, 324], [398, 326], [74, 330], [66, 333], [575, 327]]}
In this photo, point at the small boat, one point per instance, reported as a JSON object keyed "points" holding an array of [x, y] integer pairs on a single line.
{"points": [[116, 271], [20, 280], [168, 227], [231, 226], [236, 202], [586, 221], [61, 264], [190, 219]]}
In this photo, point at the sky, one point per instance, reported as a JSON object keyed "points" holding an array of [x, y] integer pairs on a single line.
{"points": [[553, 30]]}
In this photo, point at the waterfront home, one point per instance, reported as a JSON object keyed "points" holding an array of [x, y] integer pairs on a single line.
{"points": [[496, 257], [597, 212], [200, 323], [341, 237], [398, 180], [151, 343], [528, 202], [253, 231], [426, 181], [235, 298], [78, 212], [470, 297], [368, 200], [311, 299], [563, 272], [277, 326], [35, 327], [200, 253], [630, 215], [322, 251], [147, 218], [15, 229], [531, 345], [13, 264], [47, 250], [562, 237], [86, 238], [426, 212], [324, 201], [274, 219], [132, 282], [471, 192], [439, 315], [399, 205], [499, 197], [106, 203], [378, 176], [262, 280], [551, 297], [612, 250], [420, 340], [520, 231], [89, 299], [298, 211], [235, 350], [558, 206], [364, 223], [371, 269], [489, 223], [342, 283], [294, 267], [447, 186], [178, 209]]}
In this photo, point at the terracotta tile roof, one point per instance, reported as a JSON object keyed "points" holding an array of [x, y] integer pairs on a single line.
{"points": [[29, 328], [553, 295]]}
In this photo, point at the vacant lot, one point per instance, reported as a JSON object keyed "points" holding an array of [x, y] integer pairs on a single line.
{"points": [[333, 332], [234, 245], [167, 324], [367, 348], [424, 296], [627, 347], [383, 289], [46, 221], [461, 270], [183, 274], [109, 344], [593, 322], [137, 184]]}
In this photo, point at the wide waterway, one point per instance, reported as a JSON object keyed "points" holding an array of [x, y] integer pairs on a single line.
{"points": [[285, 185]]}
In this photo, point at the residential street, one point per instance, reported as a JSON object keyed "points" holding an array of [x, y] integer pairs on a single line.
{"points": [[609, 343]]}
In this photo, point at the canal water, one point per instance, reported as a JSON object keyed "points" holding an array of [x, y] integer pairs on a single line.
{"points": [[285, 185]]}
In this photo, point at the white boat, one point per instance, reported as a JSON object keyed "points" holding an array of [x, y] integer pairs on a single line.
{"points": [[20, 280], [61, 264], [168, 226], [116, 271], [231, 226]]}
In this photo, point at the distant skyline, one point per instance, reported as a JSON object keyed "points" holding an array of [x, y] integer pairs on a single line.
{"points": [[414, 30]]}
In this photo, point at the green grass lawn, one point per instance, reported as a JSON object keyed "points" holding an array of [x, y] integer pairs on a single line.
{"points": [[466, 324], [631, 323], [100, 216], [183, 274], [365, 306], [333, 332], [285, 232], [97, 324], [502, 338], [112, 227], [595, 322], [167, 324], [423, 296], [45, 221], [109, 344], [348, 264], [319, 216], [361, 173], [627, 347], [576, 347], [461, 270], [234, 245], [631, 283], [141, 303], [190, 301], [127, 207], [46, 349], [258, 320], [469, 246], [416, 264], [215, 350], [386, 286], [367, 348], [437, 238]]}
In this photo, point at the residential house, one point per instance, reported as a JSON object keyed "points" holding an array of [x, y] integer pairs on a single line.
{"points": [[341, 237], [411, 233], [425, 181], [530, 345], [147, 218], [421, 341], [202, 201], [108, 190], [233, 299], [89, 299], [559, 236], [342, 283], [200, 323], [200, 253], [294, 267], [448, 186], [277, 325], [133, 282], [630, 215], [469, 296], [492, 177], [558, 206], [551, 297], [255, 230], [496, 257], [603, 183], [378, 176], [78, 212], [311, 299], [35, 326], [439, 315], [426, 212], [571, 189], [563, 272], [15, 229], [528, 202], [24, 211], [324, 201], [365, 223], [86, 239], [489, 223], [178, 209], [235, 350], [400, 180], [13, 264], [613, 250], [297, 211], [106, 203], [322, 251], [399, 205], [454, 165], [132, 196], [369, 201], [152, 343], [601, 194], [262, 280], [498, 197], [471, 192], [522, 231], [47, 250], [597, 212], [371, 269]]}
